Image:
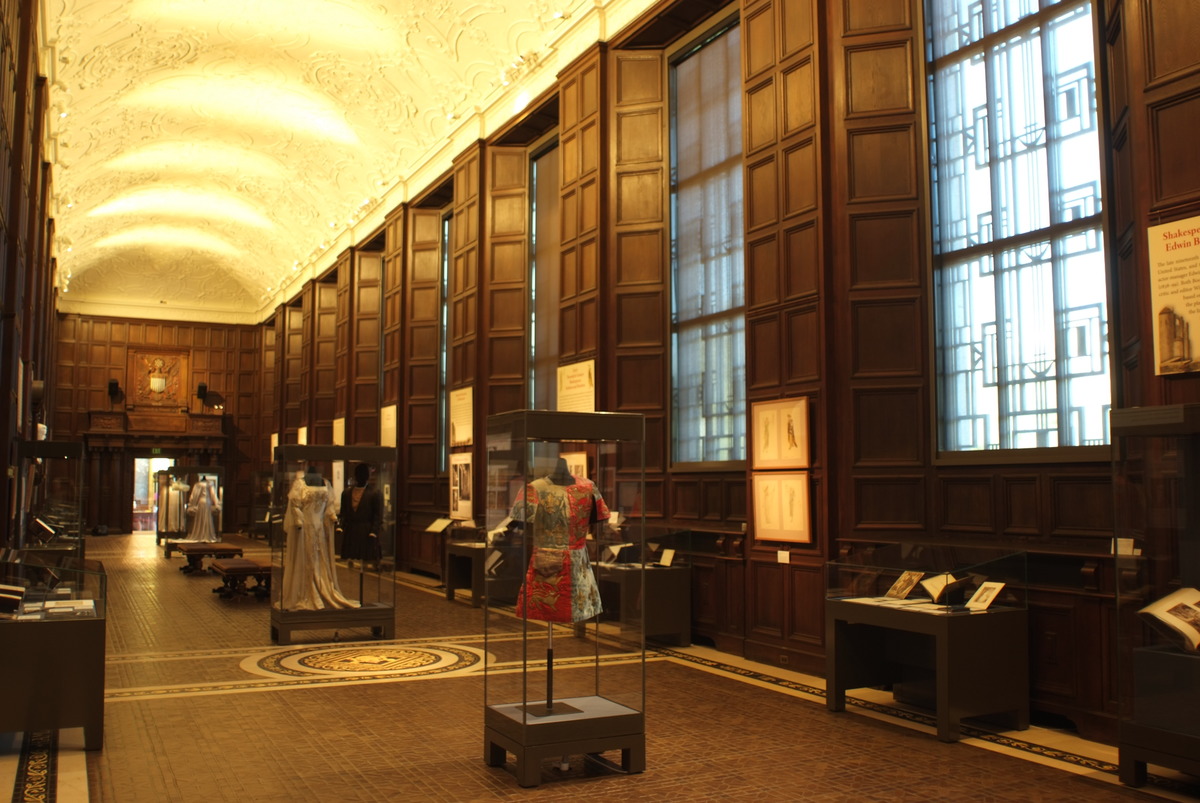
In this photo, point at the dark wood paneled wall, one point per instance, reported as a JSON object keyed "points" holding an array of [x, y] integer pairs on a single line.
{"points": [[633, 369], [227, 358], [789, 300], [505, 358], [323, 364], [395, 245], [289, 325], [422, 484], [26, 299], [1152, 108], [580, 115], [365, 332]]}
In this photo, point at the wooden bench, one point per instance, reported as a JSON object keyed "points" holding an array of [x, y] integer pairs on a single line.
{"points": [[234, 572], [196, 551]]}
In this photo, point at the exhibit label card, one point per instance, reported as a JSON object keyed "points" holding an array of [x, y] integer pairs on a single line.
{"points": [[1174, 293], [462, 416], [387, 426], [577, 387]]}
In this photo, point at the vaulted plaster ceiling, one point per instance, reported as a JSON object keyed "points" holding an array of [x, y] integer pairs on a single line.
{"points": [[211, 155]]}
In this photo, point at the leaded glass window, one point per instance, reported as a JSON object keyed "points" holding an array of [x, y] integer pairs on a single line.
{"points": [[1022, 332], [708, 286]]}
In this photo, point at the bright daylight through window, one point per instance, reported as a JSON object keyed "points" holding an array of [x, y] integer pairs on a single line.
{"points": [[708, 285], [1022, 347]]}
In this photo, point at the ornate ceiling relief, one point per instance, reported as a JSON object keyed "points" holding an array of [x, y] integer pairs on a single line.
{"points": [[210, 154]]}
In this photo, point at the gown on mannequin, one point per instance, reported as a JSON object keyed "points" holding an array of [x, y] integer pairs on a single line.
{"points": [[309, 575], [171, 507], [559, 584], [202, 505]]}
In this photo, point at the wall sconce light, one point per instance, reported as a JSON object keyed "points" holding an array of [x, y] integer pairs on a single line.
{"points": [[114, 390], [201, 391]]}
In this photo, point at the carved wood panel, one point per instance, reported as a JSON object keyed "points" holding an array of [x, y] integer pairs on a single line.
{"points": [[582, 132], [393, 303], [418, 419], [322, 394], [343, 365], [507, 283], [636, 301], [366, 342]]}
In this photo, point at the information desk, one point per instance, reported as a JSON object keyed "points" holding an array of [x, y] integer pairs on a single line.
{"points": [[964, 664]]}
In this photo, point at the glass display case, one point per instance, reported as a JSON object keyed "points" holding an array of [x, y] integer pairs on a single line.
{"points": [[1156, 552], [52, 630], [189, 503], [50, 498], [945, 626], [260, 504], [564, 674], [333, 545]]}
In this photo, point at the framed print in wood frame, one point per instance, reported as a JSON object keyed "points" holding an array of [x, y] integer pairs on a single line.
{"points": [[781, 507], [460, 486], [780, 438]]}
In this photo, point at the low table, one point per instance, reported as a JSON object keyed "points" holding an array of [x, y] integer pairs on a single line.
{"points": [[196, 551], [234, 572]]}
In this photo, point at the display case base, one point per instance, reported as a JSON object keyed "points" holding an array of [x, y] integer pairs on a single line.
{"points": [[576, 726], [54, 677], [380, 618], [1142, 745]]}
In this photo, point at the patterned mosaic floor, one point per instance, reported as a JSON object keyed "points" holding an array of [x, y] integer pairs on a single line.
{"points": [[201, 706]]}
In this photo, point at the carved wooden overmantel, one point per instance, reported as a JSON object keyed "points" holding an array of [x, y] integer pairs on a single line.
{"points": [[163, 428]]}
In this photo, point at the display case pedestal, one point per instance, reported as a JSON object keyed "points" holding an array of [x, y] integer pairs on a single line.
{"points": [[54, 678], [1163, 729], [978, 661], [381, 619], [562, 489], [586, 725]]}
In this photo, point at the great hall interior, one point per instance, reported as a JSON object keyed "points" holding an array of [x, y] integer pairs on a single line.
{"points": [[817, 294]]}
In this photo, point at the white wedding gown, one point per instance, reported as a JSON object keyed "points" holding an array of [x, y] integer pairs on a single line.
{"points": [[309, 575]]}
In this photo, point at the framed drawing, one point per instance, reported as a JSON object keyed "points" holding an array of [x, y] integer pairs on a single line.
{"points": [[460, 486], [781, 507], [780, 435]]}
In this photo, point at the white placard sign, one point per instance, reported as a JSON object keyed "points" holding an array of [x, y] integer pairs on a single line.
{"points": [[462, 416], [577, 387], [387, 426], [1174, 293]]}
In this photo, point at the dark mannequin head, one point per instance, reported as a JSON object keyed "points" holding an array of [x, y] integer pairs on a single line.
{"points": [[362, 475]]}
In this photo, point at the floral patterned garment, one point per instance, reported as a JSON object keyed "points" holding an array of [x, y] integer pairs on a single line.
{"points": [[559, 584]]}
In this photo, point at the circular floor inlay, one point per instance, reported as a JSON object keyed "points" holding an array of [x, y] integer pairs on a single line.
{"points": [[369, 660], [364, 659]]}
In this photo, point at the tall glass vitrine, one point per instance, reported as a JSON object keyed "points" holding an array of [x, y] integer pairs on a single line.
{"points": [[323, 580], [1156, 469], [50, 495], [564, 678]]}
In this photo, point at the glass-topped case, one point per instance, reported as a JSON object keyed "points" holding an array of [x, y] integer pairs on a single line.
{"points": [[333, 540], [50, 498], [930, 579], [945, 627], [36, 587], [564, 674], [52, 622], [1157, 555]]}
